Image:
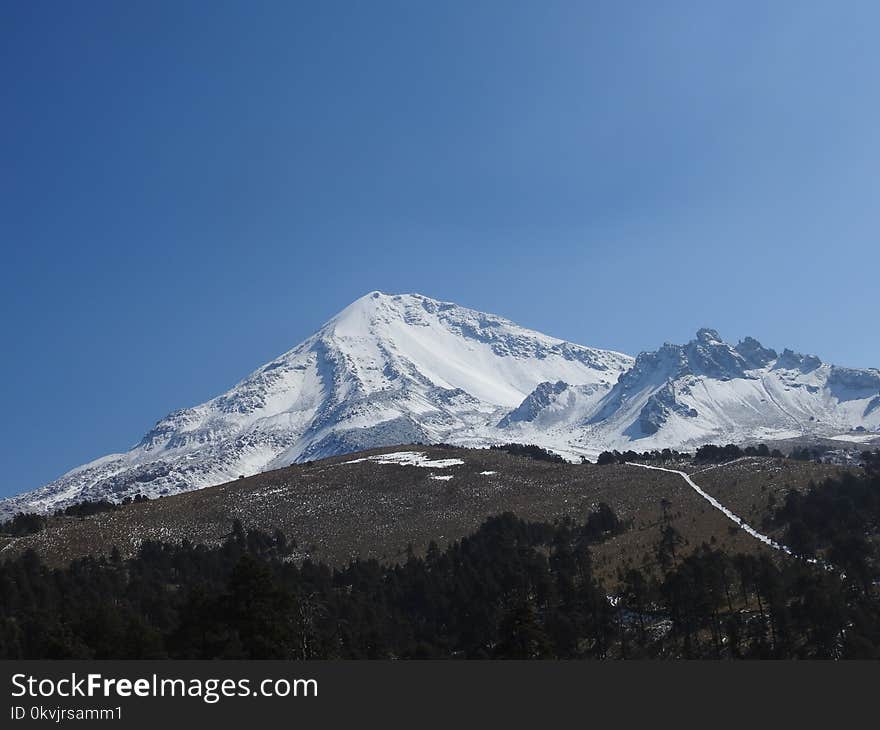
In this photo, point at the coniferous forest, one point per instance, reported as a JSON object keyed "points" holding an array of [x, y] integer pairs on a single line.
{"points": [[512, 590]]}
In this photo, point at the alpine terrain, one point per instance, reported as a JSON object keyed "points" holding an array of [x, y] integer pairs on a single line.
{"points": [[402, 369]]}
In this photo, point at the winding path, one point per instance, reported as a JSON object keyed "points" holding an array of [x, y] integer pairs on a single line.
{"points": [[727, 513]]}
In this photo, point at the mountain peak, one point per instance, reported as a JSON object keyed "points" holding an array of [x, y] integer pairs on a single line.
{"points": [[707, 354], [380, 306], [388, 369], [369, 302], [709, 336], [791, 360], [754, 353]]}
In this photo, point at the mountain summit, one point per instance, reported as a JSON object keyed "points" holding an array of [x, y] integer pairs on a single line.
{"points": [[398, 369], [388, 369]]}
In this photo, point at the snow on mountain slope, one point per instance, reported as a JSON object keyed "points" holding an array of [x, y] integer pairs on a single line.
{"points": [[386, 370], [708, 390]]}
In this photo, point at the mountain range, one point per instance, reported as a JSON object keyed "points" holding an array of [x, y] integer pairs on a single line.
{"points": [[398, 369]]}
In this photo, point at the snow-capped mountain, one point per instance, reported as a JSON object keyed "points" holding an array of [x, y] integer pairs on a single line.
{"points": [[391, 370], [710, 391], [386, 370]]}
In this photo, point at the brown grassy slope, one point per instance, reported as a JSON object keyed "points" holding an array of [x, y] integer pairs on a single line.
{"points": [[754, 487], [337, 511]]}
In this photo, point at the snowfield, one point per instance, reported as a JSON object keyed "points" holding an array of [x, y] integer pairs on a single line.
{"points": [[406, 369]]}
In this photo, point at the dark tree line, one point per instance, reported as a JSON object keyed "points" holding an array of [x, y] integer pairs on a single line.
{"points": [[712, 454], [29, 523], [513, 589], [807, 454], [838, 520], [87, 508], [24, 523], [871, 461], [530, 451], [708, 454], [665, 456], [746, 607]]}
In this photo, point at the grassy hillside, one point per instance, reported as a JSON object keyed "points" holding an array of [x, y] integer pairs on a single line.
{"points": [[351, 506]]}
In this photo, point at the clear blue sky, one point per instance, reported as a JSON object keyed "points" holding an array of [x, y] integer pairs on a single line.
{"points": [[188, 189]]}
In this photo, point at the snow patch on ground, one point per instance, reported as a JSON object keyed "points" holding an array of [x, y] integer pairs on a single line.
{"points": [[858, 438], [409, 458]]}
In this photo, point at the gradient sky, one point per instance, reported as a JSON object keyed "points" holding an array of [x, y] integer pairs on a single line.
{"points": [[188, 189]]}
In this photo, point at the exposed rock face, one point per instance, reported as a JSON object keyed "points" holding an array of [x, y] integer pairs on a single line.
{"points": [[790, 360], [660, 406], [754, 353], [534, 403], [848, 383]]}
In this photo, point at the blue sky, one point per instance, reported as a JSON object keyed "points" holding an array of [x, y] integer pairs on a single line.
{"points": [[188, 189]]}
